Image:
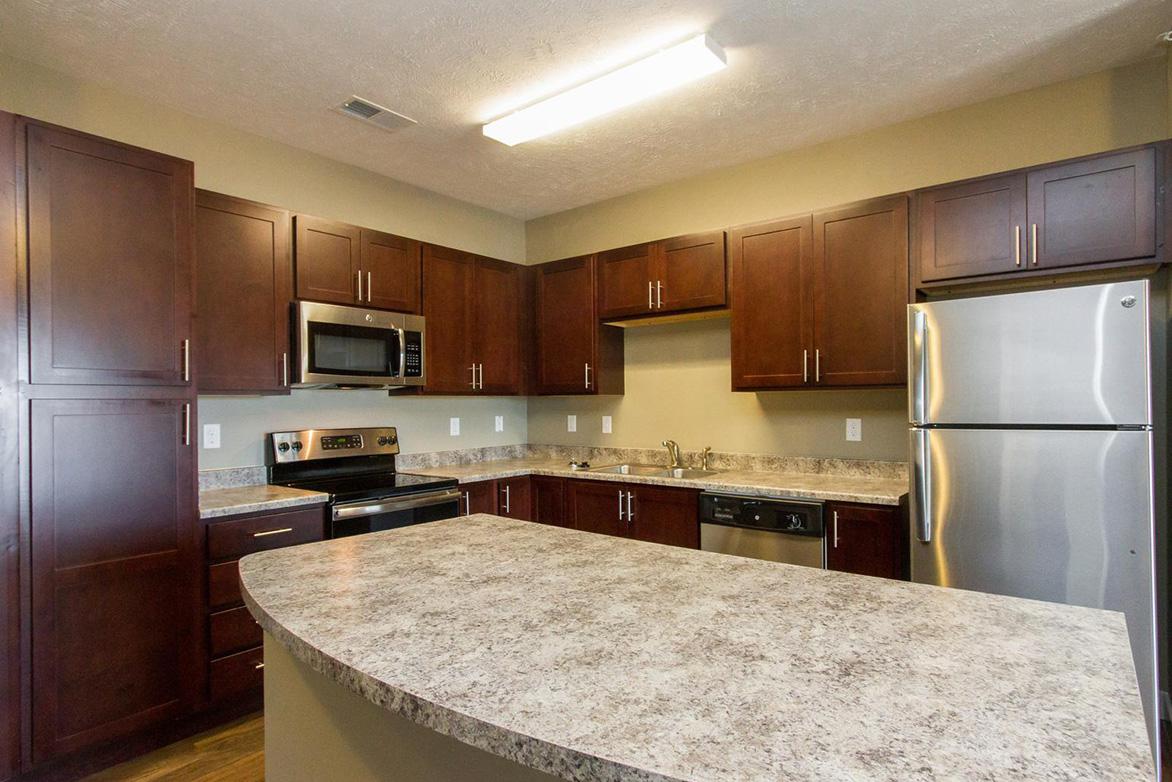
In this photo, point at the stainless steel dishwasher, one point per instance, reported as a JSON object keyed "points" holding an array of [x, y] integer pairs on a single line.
{"points": [[777, 530]]}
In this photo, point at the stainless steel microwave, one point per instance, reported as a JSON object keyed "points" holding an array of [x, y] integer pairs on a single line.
{"points": [[351, 346]]}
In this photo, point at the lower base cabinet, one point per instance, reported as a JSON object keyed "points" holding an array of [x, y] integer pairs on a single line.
{"points": [[870, 540], [655, 514], [504, 497], [548, 500]]}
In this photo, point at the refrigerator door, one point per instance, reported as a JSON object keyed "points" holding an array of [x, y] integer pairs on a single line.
{"points": [[1070, 356], [1057, 515]]}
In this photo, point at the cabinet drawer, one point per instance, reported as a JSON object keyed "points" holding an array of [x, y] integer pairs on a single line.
{"points": [[260, 533], [236, 674], [224, 584], [233, 630]]}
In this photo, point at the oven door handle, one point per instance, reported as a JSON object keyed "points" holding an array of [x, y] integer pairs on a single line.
{"points": [[392, 504]]}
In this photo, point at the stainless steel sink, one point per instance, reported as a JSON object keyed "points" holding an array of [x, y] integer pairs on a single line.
{"points": [[632, 469], [685, 472]]}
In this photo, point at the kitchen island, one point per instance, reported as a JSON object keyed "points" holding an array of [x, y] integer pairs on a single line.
{"points": [[487, 648]]}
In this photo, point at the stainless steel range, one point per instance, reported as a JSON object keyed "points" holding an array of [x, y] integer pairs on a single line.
{"points": [[356, 467]]}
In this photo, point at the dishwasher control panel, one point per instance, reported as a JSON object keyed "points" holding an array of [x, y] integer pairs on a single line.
{"points": [[791, 516]]}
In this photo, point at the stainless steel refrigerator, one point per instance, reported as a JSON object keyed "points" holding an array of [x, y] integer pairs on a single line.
{"points": [[1036, 470]]}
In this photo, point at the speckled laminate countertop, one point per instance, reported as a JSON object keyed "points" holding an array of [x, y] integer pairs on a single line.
{"points": [[601, 658], [214, 503], [821, 486]]}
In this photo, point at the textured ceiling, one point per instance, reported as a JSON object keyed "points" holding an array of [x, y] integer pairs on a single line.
{"points": [[800, 72]]}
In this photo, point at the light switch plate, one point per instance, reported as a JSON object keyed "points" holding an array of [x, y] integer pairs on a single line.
{"points": [[854, 430], [211, 435], [498, 424], [454, 427], [571, 423], [607, 427]]}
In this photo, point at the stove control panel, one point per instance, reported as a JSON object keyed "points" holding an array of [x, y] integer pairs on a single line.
{"points": [[309, 444]]}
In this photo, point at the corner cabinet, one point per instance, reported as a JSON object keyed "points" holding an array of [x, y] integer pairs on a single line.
{"points": [[1103, 209], [575, 354], [509, 497], [818, 300], [244, 288], [670, 275], [339, 263]]}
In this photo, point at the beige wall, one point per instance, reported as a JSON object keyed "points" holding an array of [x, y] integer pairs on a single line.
{"points": [[678, 377]]}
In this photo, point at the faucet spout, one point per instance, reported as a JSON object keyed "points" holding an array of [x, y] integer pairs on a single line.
{"points": [[673, 453]]}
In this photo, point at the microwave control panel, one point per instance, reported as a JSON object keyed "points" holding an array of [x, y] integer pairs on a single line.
{"points": [[413, 354]]}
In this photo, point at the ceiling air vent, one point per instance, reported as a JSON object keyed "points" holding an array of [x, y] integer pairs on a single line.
{"points": [[374, 114]]}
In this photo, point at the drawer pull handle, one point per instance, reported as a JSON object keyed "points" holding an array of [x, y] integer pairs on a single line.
{"points": [[258, 666], [272, 532]]}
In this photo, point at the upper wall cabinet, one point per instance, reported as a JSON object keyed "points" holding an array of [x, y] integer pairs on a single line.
{"points": [[474, 313], [1101, 209], [670, 275], [574, 353], [344, 264], [818, 301], [244, 278], [109, 261]]}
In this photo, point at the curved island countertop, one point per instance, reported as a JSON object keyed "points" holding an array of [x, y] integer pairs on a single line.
{"points": [[599, 658]]}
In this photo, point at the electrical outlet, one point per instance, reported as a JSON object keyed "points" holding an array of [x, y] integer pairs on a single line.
{"points": [[854, 430], [454, 427], [211, 435], [498, 424], [607, 427], [571, 423]]}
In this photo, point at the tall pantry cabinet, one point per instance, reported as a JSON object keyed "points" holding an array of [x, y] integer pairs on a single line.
{"points": [[105, 405]]}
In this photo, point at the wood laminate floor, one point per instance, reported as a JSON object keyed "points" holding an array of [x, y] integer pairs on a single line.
{"points": [[229, 753]]}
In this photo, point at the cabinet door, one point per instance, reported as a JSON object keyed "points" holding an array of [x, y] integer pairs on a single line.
{"points": [[115, 596], [244, 282], [548, 496], [479, 497], [595, 506], [513, 498], [971, 229], [391, 267], [870, 540], [861, 294], [109, 253], [496, 335], [771, 306], [328, 257], [566, 326], [447, 306], [666, 515], [691, 272], [1093, 211], [626, 281]]}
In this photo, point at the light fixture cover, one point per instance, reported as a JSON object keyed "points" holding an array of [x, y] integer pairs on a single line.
{"points": [[668, 68]]}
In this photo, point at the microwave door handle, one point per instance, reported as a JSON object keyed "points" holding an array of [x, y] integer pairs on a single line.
{"points": [[402, 351]]}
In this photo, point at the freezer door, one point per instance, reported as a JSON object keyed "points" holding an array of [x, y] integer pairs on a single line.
{"points": [[1063, 516], [1071, 356]]}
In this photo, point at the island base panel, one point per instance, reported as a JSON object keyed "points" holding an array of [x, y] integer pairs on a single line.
{"points": [[316, 729]]}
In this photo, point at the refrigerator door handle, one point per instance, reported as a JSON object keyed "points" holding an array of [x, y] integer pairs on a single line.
{"points": [[919, 355], [922, 485]]}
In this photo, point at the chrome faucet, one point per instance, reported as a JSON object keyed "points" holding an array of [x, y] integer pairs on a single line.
{"points": [[706, 458], [673, 453]]}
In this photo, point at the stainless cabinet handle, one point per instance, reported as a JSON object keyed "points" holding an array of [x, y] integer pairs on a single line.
{"points": [[480, 379], [805, 366], [620, 504], [369, 287], [587, 376], [507, 506], [1017, 245], [630, 509], [187, 423], [360, 285], [268, 532], [1034, 243], [284, 369], [817, 365], [467, 504], [650, 295], [473, 383], [186, 361], [258, 667], [659, 294], [836, 529]]}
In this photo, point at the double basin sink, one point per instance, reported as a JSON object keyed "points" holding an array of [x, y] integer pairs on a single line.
{"points": [[653, 471]]}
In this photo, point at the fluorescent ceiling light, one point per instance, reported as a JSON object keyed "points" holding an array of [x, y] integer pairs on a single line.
{"points": [[668, 68]]}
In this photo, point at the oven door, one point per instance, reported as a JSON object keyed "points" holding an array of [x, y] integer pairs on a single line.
{"points": [[356, 518], [351, 346]]}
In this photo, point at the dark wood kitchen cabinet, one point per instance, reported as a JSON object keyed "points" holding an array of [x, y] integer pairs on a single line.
{"points": [[478, 497], [109, 248], [514, 498], [475, 323], [670, 275], [870, 540], [597, 506], [244, 282], [548, 500], [1094, 210], [818, 300], [339, 263], [114, 570], [575, 354], [656, 514]]}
